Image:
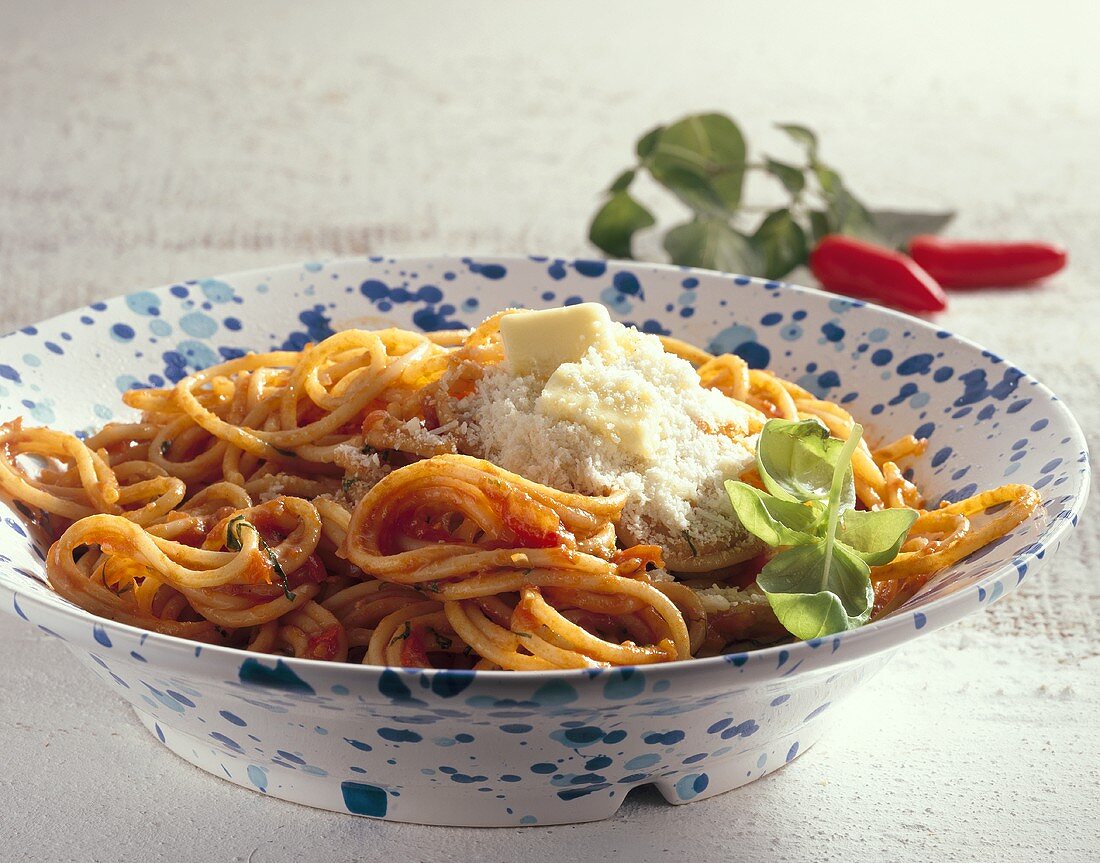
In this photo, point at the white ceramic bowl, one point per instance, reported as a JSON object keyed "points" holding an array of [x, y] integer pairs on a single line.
{"points": [[509, 748]]}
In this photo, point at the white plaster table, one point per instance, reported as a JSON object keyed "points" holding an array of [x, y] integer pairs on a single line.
{"points": [[145, 143]]}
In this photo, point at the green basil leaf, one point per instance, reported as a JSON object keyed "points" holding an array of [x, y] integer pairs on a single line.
{"points": [[829, 180], [613, 227], [809, 616], [812, 602], [710, 146], [897, 227], [695, 191], [714, 245], [622, 182], [792, 178], [846, 213], [233, 532], [797, 459], [775, 521], [875, 536], [647, 142], [820, 225], [781, 242], [802, 136], [853, 218]]}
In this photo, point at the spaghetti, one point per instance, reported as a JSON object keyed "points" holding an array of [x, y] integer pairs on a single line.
{"points": [[327, 504]]}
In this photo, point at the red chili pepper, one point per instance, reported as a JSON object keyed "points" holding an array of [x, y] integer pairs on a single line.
{"points": [[965, 264], [845, 265]]}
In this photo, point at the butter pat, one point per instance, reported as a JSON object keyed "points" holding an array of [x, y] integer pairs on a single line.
{"points": [[536, 343]]}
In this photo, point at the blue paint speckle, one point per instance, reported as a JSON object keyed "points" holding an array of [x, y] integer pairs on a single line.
{"points": [[215, 291], [690, 786], [627, 283], [667, 738], [592, 269], [363, 799], [624, 683], [399, 735], [227, 741], [448, 684], [916, 364], [281, 676], [198, 325], [122, 332], [258, 777], [941, 456], [641, 762], [489, 271]]}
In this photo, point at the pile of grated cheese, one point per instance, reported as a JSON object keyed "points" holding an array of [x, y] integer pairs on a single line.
{"points": [[626, 416]]}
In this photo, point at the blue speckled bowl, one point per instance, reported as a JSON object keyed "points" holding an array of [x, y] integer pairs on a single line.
{"points": [[506, 748]]}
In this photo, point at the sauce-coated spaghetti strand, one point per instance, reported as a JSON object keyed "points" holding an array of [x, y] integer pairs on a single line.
{"points": [[465, 531]]}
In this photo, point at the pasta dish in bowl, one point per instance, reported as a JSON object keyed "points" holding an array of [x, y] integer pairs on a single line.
{"points": [[496, 508], [394, 498]]}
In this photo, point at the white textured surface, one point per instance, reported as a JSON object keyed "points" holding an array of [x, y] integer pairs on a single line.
{"points": [[141, 144]]}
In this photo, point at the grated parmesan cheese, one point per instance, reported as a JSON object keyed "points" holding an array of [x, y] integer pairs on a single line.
{"points": [[273, 487], [627, 416], [413, 436], [362, 472], [716, 600]]}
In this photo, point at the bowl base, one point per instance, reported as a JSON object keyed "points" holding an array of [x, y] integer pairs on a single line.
{"points": [[462, 806]]}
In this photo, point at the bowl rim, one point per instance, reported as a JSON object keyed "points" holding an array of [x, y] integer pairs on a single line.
{"points": [[874, 637]]}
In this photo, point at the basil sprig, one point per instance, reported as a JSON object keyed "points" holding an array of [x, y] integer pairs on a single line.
{"points": [[703, 160], [820, 584]]}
